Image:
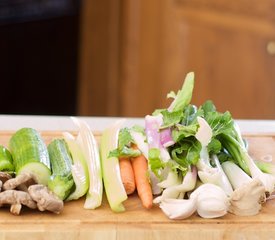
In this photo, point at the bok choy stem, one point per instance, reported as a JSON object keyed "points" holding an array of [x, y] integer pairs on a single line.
{"points": [[114, 188], [91, 152]]}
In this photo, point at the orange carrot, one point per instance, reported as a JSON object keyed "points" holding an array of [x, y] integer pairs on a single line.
{"points": [[144, 189], [127, 175]]}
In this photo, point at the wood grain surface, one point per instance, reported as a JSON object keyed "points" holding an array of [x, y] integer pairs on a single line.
{"points": [[136, 223], [132, 53]]}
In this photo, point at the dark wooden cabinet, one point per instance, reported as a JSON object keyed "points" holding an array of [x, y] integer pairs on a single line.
{"points": [[39, 50], [150, 46]]}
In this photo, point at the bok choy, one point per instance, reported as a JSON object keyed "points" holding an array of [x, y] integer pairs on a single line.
{"points": [[187, 144], [114, 188]]}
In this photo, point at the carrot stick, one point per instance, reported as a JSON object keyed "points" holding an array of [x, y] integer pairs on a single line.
{"points": [[127, 175], [144, 190]]}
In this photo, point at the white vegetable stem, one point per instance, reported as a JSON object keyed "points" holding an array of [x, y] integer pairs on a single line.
{"points": [[79, 168], [235, 174], [176, 190], [204, 133], [206, 172], [91, 152], [224, 182], [267, 179], [114, 188]]}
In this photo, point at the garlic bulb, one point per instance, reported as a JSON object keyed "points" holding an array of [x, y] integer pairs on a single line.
{"points": [[209, 200]]}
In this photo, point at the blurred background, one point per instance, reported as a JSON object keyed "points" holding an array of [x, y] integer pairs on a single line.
{"points": [[121, 57]]}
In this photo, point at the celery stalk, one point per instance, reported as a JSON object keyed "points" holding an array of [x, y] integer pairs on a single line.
{"points": [[89, 146], [79, 168], [110, 168]]}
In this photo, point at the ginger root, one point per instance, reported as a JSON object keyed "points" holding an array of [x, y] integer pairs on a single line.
{"points": [[22, 181], [16, 199], [45, 199], [4, 176]]}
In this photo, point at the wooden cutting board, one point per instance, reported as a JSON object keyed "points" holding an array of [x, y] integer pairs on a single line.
{"points": [[137, 223]]}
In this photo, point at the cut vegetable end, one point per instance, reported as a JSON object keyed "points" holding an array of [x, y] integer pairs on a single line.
{"points": [[30, 154], [114, 188], [61, 181], [118, 208], [6, 161], [39, 170], [92, 201], [6, 166], [81, 184], [61, 186]]}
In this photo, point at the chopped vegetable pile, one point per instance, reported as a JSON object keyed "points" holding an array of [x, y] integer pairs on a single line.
{"points": [[43, 177], [197, 160], [185, 159]]}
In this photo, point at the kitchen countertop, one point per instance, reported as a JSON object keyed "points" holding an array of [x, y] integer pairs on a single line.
{"points": [[77, 223]]}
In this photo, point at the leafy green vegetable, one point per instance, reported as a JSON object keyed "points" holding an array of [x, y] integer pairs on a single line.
{"points": [[124, 145], [124, 138], [190, 114], [138, 128], [171, 118], [182, 131], [171, 94], [208, 106], [219, 122], [233, 148], [184, 95], [214, 147], [155, 161], [186, 151]]}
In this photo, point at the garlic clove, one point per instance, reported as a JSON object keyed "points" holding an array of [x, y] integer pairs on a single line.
{"points": [[212, 201], [212, 208], [178, 208]]}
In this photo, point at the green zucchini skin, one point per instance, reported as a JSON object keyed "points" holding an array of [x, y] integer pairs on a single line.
{"points": [[30, 154], [6, 160], [61, 182]]}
